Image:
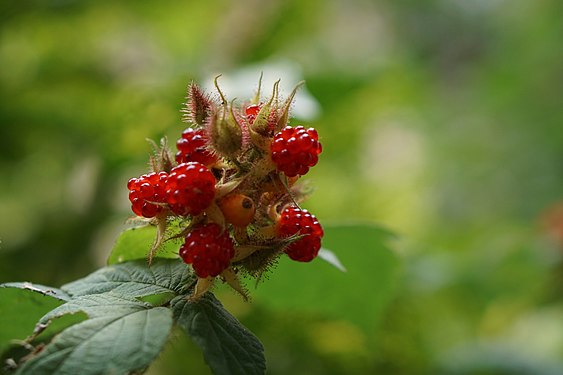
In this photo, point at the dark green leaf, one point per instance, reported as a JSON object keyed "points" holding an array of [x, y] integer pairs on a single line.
{"points": [[135, 243], [135, 279], [228, 347], [359, 295], [21, 306], [121, 336]]}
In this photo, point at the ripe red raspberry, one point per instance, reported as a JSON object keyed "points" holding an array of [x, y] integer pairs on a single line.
{"points": [[294, 150], [208, 249], [193, 147], [251, 112], [190, 188], [294, 220], [147, 189]]}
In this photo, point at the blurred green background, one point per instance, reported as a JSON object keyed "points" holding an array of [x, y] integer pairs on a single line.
{"points": [[441, 120]]}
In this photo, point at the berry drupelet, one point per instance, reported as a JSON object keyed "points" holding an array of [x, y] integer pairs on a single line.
{"points": [[251, 112]]}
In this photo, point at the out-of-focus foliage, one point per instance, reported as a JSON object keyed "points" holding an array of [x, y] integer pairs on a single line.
{"points": [[368, 280], [441, 120]]}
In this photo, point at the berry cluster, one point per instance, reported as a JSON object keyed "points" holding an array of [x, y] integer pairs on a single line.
{"points": [[231, 190]]}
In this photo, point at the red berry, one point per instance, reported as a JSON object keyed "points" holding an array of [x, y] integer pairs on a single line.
{"points": [[294, 220], [251, 112], [208, 249], [147, 190], [193, 147], [294, 150], [190, 188]]}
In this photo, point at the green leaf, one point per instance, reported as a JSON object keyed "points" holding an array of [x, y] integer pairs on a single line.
{"points": [[135, 243], [21, 306], [121, 336], [228, 347], [358, 295], [135, 279]]}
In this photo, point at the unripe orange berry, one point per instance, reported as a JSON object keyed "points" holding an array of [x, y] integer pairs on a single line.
{"points": [[238, 209]]}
